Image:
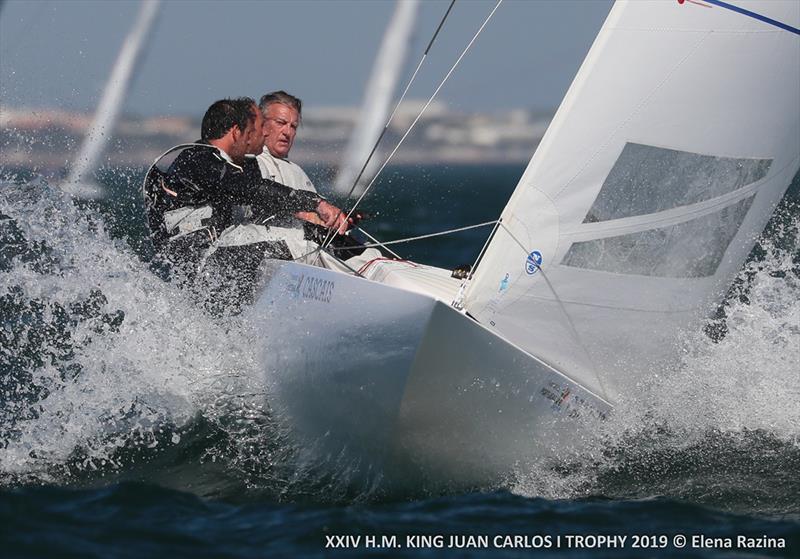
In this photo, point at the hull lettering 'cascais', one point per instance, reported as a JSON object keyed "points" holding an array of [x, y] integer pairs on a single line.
{"points": [[307, 286]]}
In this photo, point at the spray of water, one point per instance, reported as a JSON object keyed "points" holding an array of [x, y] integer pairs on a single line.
{"points": [[724, 427], [107, 371], [98, 353]]}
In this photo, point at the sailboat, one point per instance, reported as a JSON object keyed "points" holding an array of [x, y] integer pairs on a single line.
{"points": [[675, 142], [383, 80], [79, 181]]}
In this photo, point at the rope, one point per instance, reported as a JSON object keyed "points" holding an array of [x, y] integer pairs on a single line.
{"points": [[570, 324], [374, 240], [428, 236], [320, 248], [402, 97], [414, 123], [302, 258], [483, 250]]}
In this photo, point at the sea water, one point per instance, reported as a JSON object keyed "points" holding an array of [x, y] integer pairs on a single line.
{"points": [[134, 425]]}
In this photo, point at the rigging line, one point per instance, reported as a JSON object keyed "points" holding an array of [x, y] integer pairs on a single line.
{"points": [[365, 232], [312, 252], [573, 330], [319, 247], [428, 236], [421, 112], [397, 106], [374, 240], [458, 300], [485, 246], [427, 104], [441, 24], [424, 108], [302, 259]]}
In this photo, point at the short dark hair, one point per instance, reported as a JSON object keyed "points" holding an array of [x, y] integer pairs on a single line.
{"points": [[283, 98], [224, 114]]}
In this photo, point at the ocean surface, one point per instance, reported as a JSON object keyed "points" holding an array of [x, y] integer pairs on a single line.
{"points": [[125, 432]]}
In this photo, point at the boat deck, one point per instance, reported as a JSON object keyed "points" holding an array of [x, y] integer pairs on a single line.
{"points": [[426, 280]]}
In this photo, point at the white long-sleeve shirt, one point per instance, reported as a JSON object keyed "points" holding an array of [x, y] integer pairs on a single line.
{"points": [[290, 174], [283, 171]]}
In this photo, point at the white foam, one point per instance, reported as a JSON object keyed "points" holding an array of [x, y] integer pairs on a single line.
{"points": [[166, 362], [749, 381]]}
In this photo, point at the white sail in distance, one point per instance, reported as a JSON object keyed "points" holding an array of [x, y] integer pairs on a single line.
{"points": [[380, 89], [674, 143], [80, 181]]}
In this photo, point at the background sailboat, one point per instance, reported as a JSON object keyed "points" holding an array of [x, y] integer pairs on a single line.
{"points": [[388, 66], [79, 181]]}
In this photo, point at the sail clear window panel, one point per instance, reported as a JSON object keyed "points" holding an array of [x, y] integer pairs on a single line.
{"points": [[648, 179], [691, 249]]}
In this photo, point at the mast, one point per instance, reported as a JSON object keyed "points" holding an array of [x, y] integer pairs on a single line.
{"points": [[79, 181], [377, 99]]}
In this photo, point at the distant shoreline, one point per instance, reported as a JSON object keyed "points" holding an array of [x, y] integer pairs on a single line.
{"points": [[48, 139]]}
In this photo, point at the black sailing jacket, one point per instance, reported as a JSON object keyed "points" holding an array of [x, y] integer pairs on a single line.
{"points": [[200, 178]]}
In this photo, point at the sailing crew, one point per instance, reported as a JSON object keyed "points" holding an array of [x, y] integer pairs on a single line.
{"points": [[208, 216]]}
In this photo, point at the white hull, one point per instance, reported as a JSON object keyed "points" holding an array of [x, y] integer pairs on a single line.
{"points": [[396, 381]]}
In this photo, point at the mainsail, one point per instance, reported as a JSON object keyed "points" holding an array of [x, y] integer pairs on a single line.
{"points": [[677, 138], [79, 181]]}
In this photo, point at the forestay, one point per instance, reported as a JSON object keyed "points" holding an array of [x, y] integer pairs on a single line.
{"points": [[677, 138]]}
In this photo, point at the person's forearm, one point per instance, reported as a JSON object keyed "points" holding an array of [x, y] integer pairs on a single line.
{"points": [[281, 199]]}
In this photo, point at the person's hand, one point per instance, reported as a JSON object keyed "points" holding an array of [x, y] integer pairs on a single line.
{"points": [[333, 217], [311, 217]]}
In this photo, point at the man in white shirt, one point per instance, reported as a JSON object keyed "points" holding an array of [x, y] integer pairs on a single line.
{"points": [[282, 116]]}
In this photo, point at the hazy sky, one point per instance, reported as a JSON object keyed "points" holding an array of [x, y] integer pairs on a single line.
{"points": [[58, 53]]}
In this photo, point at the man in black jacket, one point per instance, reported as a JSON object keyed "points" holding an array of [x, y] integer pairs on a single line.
{"points": [[207, 213]]}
